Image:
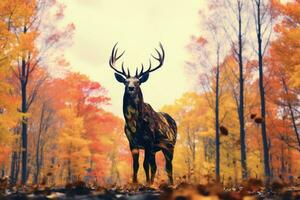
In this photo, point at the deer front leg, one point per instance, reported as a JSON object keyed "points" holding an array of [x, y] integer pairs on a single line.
{"points": [[153, 166], [146, 165], [135, 159]]}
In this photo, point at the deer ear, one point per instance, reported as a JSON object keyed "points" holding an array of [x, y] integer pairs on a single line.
{"points": [[119, 78], [144, 78]]}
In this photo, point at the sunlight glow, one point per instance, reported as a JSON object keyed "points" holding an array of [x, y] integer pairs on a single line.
{"points": [[138, 26]]}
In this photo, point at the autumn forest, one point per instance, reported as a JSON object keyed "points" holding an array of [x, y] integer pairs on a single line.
{"points": [[239, 121]]}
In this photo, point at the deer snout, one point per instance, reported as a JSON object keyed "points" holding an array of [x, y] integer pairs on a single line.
{"points": [[130, 88]]}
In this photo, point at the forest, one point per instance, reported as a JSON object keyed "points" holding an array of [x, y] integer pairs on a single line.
{"points": [[238, 127]]}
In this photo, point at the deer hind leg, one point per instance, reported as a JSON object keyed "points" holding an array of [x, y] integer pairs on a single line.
{"points": [[146, 165], [135, 159], [153, 166], [168, 153]]}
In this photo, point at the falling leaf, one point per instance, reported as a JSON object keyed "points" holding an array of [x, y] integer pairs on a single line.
{"points": [[224, 130], [252, 116], [258, 120]]}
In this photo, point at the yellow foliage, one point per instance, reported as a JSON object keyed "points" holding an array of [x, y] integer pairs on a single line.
{"points": [[73, 148]]}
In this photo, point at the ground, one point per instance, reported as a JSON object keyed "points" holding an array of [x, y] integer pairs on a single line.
{"points": [[253, 189]]}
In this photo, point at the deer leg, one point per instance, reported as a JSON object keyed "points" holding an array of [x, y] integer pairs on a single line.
{"points": [[135, 156], [146, 165], [168, 153], [153, 166]]}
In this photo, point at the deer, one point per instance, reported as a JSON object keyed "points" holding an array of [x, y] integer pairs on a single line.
{"points": [[145, 128]]}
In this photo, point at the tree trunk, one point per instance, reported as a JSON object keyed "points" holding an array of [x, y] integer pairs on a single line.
{"points": [[13, 168], [291, 112], [37, 154], [217, 121], [3, 170], [262, 95], [24, 122], [241, 99], [282, 167], [18, 160], [194, 159], [69, 171]]}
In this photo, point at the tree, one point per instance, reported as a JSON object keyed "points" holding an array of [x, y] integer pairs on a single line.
{"points": [[210, 60], [239, 9], [191, 117], [101, 129], [9, 115], [285, 61], [241, 80], [73, 148], [41, 124], [263, 21], [23, 21]]}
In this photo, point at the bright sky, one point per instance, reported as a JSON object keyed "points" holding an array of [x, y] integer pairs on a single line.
{"points": [[138, 26]]}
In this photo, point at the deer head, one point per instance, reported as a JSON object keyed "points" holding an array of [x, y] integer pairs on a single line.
{"points": [[132, 83]]}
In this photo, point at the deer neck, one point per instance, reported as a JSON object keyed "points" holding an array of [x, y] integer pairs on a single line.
{"points": [[132, 109]]}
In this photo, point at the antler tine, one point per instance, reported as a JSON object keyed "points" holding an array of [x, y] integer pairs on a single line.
{"points": [[123, 70], [120, 55], [128, 72], [113, 58], [141, 70], [159, 55], [137, 72], [160, 58], [150, 64], [115, 55], [149, 68]]}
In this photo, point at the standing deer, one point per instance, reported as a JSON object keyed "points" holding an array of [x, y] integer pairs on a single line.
{"points": [[145, 128]]}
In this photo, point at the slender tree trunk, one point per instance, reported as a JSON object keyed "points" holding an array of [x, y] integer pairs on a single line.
{"points": [[29, 169], [241, 99], [3, 170], [262, 94], [294, 123], [290, 165], [194, 159], [37, 155], [37, 162], [14, 157], [18, 160], [282, 168], [188, 162], [291, 111], [217, 126], [192, 147], [42, 155], [24, 121], [69, 178], [13, 168]]}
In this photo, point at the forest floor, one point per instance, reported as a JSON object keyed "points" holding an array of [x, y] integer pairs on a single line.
{"points": [[249, 191]]}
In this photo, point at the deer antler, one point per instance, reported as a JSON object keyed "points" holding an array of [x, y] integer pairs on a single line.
{"points": [[160, 59], [113, 58]]}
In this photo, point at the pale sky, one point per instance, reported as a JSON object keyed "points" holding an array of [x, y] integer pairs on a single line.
{"points": [[138, 26]]}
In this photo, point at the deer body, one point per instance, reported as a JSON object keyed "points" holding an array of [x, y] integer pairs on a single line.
{"points": [[145, 128]]}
